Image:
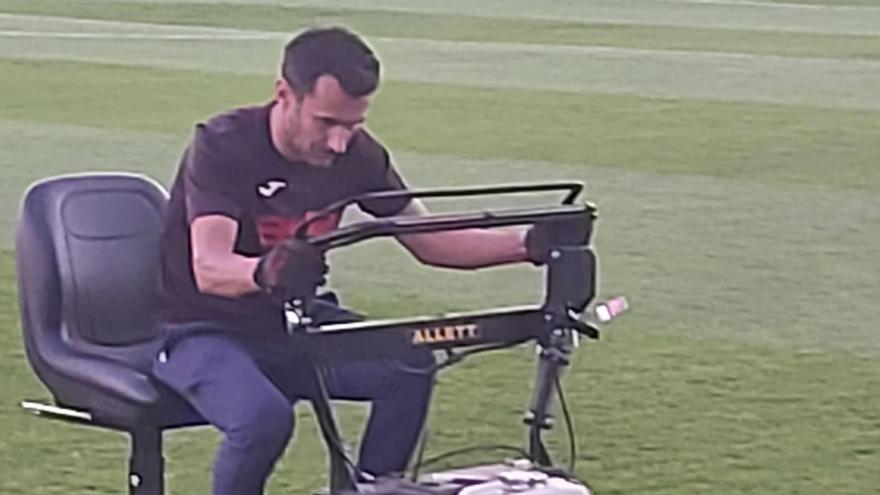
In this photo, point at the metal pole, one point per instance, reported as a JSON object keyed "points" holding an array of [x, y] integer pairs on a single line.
{"points": [[146, 466]]}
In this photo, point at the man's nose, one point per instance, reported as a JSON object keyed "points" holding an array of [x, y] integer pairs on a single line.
{"points": [[338, 138]]}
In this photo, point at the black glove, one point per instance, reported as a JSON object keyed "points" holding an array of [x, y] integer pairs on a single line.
{"points": [[543, 237], [293, 268]]}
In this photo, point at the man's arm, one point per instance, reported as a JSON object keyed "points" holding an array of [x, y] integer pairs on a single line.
{"points": [[292, 268], [467, 248], [217, 269]]}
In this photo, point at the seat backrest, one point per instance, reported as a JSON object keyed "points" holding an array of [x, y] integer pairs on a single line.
{"points": [[87, 255]]}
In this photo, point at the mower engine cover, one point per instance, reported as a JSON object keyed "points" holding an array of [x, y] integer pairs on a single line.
{"points": [[514, 476], [493, 479]]}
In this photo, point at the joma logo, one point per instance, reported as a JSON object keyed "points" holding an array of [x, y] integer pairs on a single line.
{"points": [[269, 189]]}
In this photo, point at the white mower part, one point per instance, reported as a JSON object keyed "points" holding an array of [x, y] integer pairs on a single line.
{"points": [[504, 479]]}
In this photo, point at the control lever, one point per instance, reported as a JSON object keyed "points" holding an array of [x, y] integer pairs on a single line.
{"points": [[610, 309], [602, 312]]}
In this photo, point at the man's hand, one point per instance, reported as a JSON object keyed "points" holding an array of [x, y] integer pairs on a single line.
{"points": [[293, 268], [543, 237]]}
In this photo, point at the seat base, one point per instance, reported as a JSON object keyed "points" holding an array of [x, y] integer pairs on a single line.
{"points": [[146, 466], [56, 412]]}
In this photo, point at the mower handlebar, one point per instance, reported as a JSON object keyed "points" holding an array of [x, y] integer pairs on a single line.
{"points": [[393, 226], [396, 225]]}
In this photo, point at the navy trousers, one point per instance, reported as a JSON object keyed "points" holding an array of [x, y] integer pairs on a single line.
{"points": [[246, 387]]}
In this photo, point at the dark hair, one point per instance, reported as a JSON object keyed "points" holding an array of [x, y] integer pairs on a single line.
{"points": [[330, 50]]}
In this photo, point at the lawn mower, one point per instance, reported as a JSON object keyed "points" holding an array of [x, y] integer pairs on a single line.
{"points": [[555, 325]]}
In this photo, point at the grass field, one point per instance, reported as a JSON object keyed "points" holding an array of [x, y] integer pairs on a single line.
{"points": [[732, 147]]}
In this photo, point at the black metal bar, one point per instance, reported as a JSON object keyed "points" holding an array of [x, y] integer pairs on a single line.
{"points": [[342, 475], [385, 339], [146, 467], [574, 189], [570, 281], [551, 365], [360, 231]]}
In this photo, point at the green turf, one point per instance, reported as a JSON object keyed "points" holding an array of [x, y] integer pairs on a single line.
{"points": [[712, 76], [825, 3], [748, 141], [745, 233], [715, 14], [460, 27], [656, 413]]}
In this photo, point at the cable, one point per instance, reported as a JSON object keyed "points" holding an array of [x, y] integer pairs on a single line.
{"points": [[324, 413], [569, 426], [335, 443], [420, 456], [452, 359]]}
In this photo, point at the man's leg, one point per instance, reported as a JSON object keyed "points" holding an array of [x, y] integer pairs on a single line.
{"points": [[400, 392], [223, 383]]}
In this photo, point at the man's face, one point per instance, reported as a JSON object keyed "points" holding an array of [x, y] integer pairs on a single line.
{"points": [[316, 126]]}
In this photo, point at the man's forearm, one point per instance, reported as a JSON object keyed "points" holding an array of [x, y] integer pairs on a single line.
{"points": [[470, 248], [230, 275]]}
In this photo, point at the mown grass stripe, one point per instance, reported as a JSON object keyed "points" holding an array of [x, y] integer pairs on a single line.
{"points": [[800, 4], [714, 76], [851, 20], [461, 27], [752, 141]]}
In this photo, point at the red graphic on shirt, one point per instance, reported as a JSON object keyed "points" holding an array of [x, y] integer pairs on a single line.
{"points": [[273, 229]]}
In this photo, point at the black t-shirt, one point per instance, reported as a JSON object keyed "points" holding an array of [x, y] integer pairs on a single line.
{"points": [[231, 168]]}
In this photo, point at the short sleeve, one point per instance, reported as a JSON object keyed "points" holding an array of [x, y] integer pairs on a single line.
{"points": [[383, 177], [209, 178]]}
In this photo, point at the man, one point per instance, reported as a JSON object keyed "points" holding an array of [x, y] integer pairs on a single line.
{"points": [[247, 180]]}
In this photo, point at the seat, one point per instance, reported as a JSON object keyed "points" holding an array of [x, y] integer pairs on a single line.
{"points": [[87, 259]]}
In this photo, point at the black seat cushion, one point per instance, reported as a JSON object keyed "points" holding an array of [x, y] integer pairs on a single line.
{"points": [[87, 257], [110, 239]]}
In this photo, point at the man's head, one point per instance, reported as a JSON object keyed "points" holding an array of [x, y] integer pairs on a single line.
{"points": [[327, 78]]}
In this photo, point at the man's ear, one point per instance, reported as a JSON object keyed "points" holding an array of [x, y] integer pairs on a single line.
{"points": [[282, 90]]}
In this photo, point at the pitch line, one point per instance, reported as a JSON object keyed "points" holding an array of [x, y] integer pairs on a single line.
{"points": [[447, 46], [171, 32], [774, 5], [138, 36], [148, 27]]}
